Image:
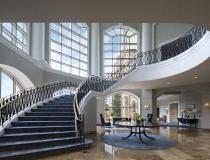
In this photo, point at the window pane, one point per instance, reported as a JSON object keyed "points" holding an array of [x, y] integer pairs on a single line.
{"points": [[56, 46], [55, 27], [55, 56], [19, 36], [83, 41], [8, 27], [107, 69], [56, 37], [83, 66], [8, 37], [83, 32], [66, 32], [65, 68], [6, 85], [68, 25], [83, 58], [83, 49], [72, 47], [108, 62], [83, 73], [55, 65], [75, 37], [75, 71], [66, 50], [66, 59], [75, 46], [75, 63], [66, 41], [107, 54], [75, 54]]}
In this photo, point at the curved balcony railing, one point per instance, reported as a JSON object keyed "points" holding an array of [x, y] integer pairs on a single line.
{"points": [[26, 98], [167, 51], [13, 104]]}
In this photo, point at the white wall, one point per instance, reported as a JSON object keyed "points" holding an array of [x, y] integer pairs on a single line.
{"points": [[167, 32], [196, 94], [36, 70], [90, 115]]}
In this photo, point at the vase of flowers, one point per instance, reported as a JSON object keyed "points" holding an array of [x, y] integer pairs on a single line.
{"points": [[138, 119]]}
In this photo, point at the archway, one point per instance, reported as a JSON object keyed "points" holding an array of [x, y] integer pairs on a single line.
{"points": [[121, 106], [21, 78]]}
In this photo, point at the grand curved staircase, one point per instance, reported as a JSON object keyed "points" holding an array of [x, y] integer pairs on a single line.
{"points": [[50, 125], [46, 129]]}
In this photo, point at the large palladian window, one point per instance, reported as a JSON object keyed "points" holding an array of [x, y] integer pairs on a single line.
{"points": [[120, 46], [69, 47], [17, 34]]}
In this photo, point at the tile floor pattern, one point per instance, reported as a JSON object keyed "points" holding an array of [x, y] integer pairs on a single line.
{"points": [[192, 144]]}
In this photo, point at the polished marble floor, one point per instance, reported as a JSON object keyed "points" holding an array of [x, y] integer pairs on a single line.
{"points": [[192, 144]]}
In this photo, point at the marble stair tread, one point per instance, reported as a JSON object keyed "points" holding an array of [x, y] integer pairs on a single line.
{"points": [[36, 141], [17, 154], [43, 121], [47, 116], [22, 127], [35, 133]]}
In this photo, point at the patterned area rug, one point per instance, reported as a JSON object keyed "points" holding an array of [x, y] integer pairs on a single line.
{"points": [[133, 142]]}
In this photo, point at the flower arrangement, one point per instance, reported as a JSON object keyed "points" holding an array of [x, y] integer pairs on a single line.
{"points": [[138, 119]]}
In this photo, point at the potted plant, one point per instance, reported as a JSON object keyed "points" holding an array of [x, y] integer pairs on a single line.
{"points": [[138, 119]]}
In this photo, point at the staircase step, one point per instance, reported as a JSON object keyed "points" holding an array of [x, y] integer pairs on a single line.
{"points": [[22, 145], [49, 114], [46, 118], [61, 103], [55, 106], [36, 136], [53, 110], [34, 153], [32, 129], [42, 123]]}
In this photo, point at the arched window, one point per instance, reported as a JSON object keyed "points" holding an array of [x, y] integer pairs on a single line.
{"points": [[17, 34], [9, 85], [69, 47], [121, 104], [120, 46]]}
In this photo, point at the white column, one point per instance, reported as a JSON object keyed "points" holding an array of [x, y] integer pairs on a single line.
{"points": [[147, 36], [148, 98], [38, 41], [95, 49], [100, 106]]}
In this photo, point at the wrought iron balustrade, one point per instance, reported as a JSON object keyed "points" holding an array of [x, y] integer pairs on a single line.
{"points": [[167, 51], [13, 104], [26, 98]]}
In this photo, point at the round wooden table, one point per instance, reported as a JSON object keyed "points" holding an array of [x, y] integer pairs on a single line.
{"points": [[139, 129]]}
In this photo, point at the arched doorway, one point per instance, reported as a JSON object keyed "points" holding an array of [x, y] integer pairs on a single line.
{"points": [[121, 105]]}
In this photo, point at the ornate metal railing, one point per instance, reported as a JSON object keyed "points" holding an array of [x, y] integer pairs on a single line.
{"points": [[167, 51], [26, 98]]}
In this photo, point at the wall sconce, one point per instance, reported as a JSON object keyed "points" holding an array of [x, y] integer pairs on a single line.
{"points": [[207, 104], [147, 107]]}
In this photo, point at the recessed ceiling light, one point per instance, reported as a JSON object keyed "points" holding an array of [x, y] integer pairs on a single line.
{"points": [[195, 77]]}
